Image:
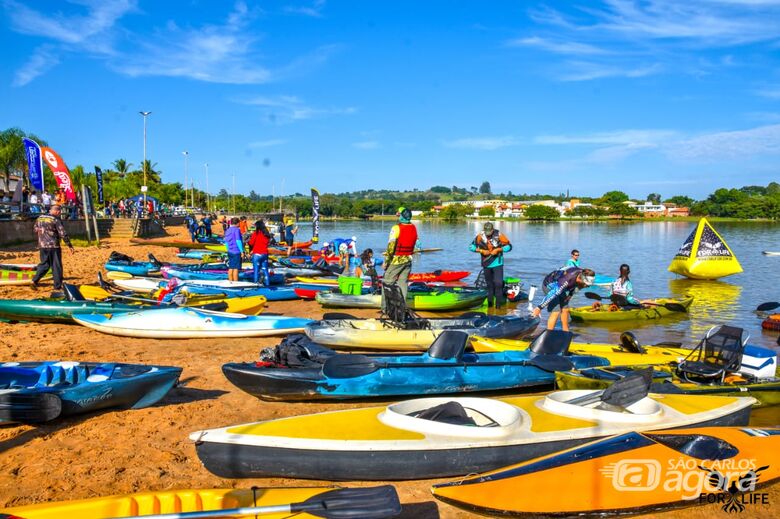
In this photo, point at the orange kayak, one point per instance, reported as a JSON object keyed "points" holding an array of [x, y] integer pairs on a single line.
{"points": [[630, 472]]}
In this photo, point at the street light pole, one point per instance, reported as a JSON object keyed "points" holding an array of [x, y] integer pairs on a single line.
{"points": [[145, 188], [208, 195], [186, 155]]}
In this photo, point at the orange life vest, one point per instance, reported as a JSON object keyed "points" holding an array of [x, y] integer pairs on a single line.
{"points": [[407, 238]]}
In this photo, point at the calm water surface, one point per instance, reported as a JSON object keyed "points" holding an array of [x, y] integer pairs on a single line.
{"points": [[647, 247]]}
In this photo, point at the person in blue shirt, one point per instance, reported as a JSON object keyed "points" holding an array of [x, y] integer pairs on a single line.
{"points": [[207, 222], [559, 286], [235, 248], [574, 260], [492, 245]]}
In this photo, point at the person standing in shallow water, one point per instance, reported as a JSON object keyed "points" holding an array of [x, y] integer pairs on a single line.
{"points": [[50, 231], [402, 243], [559, 286], [492, 244], [574, 260]]}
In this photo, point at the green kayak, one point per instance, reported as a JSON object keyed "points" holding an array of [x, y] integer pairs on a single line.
{"points": [[439, 300], [765, 391], [655, 311], [57, 311]]}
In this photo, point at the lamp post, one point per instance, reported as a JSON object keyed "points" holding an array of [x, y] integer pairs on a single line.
{"points": [[208, 195], [186, 155], [144, 188]]}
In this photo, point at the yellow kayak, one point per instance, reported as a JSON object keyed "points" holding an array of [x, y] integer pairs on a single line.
{"points": [[656, 310], [250, 305], [374, 502], [616, 354]]}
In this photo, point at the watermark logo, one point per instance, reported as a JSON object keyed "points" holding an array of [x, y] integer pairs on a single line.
{"points": [[730, 483]]}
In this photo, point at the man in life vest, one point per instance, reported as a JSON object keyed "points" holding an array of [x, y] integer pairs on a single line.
{"points": [[492, 245], [400, 246]]}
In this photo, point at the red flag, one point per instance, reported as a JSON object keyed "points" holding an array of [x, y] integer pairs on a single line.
{"points": [[60, 171]]}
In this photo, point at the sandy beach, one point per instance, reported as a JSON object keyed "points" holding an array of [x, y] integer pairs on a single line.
{"points": [[117, 452]]}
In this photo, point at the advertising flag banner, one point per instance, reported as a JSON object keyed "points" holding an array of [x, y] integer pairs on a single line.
{"points": [[315, 215], [61, 173], [33, 153], [99, 178]]}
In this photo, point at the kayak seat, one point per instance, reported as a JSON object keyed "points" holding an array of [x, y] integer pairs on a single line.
{"points": [[551, 342], [449, 412], [719, 353], [72, 292], [449, 345]]}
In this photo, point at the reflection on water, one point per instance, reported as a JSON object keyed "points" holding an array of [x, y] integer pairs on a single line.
{"points": [[715, 302]]}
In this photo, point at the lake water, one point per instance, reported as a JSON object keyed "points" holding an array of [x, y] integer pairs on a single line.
{"points": [[647, 247]]}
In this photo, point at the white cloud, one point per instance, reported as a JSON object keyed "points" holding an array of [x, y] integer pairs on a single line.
{"points": [[740, 144], [287, 108], [366, 145], [482, 143], [771, 92], [267, 144], [314, 10], [586, 71], [626, 137], [560, 47], [41, 61]]}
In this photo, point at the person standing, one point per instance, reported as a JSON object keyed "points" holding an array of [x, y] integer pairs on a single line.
{"points": [[559, 286], [402, 243], [235, 248], [243, 225], [574, 260], [207, 222], [492, 244], [50, 232], [258, 245]]}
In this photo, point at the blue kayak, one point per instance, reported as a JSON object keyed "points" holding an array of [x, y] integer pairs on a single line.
{"points": [[299, 369], [197, 254], [43, 391], [214, 275], [277, 293], [136, 268]]}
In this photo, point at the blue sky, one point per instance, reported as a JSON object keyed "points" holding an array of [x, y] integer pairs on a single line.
{"points": [[652, 96]]}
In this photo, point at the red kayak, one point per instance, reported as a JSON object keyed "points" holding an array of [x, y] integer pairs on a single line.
{"points": [[444, 276], [306, 293]]}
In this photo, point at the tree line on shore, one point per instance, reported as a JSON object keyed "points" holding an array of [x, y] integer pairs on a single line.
{"points": [[122, 179]]}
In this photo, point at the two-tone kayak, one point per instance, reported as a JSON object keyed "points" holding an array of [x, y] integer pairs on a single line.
{"points": [[656, 310], [432, 300], [191, 323], [18, 274]]}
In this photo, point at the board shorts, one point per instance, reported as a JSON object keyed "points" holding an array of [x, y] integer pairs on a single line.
{"points": [[560, 302], [234, 260]]}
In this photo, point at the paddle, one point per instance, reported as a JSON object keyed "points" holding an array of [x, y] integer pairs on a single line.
{"points": [[22, 407], [430, 249], [337, 316], [348, 366], [342, 503], [622, 393], [617, 299], [767, 307]]}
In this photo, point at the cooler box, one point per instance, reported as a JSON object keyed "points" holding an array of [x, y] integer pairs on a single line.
{"points": [[350, 285], [758, 362]]}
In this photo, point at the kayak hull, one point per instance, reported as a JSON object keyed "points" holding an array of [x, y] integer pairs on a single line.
{"points": [[588, 314], [431, 301], [135, 268], [56, 311], [18, 273]]}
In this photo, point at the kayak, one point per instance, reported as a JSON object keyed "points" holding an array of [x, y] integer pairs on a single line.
{"points": [[602, 280], [771, 253], [441, 300], [766, 391], [444, 436], [18, 274], [630, 473], [43, 391], [384, 335], [442, 276], [214, 275], [191, 323], [299, 369], [135, 268], [587, 313], [198, 254], [229, 288], [57, 310], [271, 250], [167, 243], [617, 354], [367, 503], [771, 323]]}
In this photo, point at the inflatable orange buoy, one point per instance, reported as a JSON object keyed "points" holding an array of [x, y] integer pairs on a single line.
{"points": [[771, 323], [705, 255], [774, 317]]}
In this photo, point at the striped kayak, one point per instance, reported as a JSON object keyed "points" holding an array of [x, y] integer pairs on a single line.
{"points": [[78, 387], [366, 503], [307, 371], [214, 275], [229, 288], [441, 300], [441, 276], [191, 323], [617, 354], [588, 314], [629, 473], [57, 310], [380, 335], [444, 436], [18, 273], [765, 390]]}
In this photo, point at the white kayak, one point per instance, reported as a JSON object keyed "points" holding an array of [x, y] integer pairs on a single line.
{"points": [[145, 285], [771, 253], [191, 323]]}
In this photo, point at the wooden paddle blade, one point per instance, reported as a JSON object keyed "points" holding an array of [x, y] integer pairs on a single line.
{"points": [[348, 366], [24, 407], [593, 295], [675, 307], [628, 390], [766, 307], [551, 363], [353, 503]]}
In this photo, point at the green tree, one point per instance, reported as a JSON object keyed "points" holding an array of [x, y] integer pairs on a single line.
{"points": [[455, 212], [622, 210], [440, 189], [487, 210], [542, 212], [654, 198], [613, 197], [681, 201], [484, 188], [122, 167]]}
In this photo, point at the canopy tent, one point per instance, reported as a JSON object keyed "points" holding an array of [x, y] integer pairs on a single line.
{"points": [[139, 199]]}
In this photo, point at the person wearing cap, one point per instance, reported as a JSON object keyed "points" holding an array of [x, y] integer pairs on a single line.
{"points": [[492, 244], [50, 231], [401, 244], [559, 287]]}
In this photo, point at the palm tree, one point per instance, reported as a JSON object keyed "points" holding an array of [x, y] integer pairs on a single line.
{"points": [[152, 175], [122, 167], [12, 159]]}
